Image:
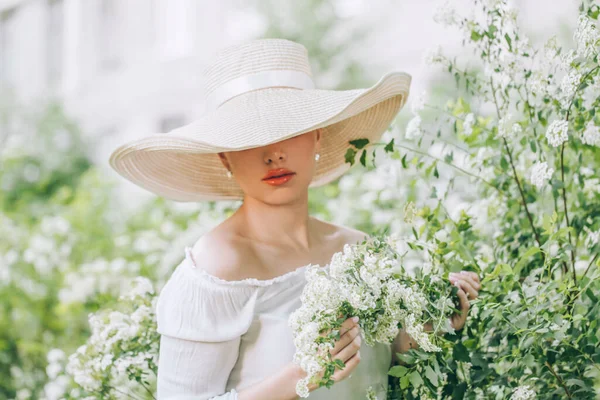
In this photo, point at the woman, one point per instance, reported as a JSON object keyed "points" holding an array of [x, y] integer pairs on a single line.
{"points": [[267, 136]]}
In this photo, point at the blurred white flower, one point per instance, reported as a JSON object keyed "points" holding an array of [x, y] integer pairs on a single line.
{"points": [[435, 56], [593, 237], [55, 356], [558, 132], [566, 59], [445, 14], [507, 128], [591, 134], [31, 173], [413, 129], [468, 124], [586, 36], [541, 174], [418, 103], [523, 393], [568, 86]]}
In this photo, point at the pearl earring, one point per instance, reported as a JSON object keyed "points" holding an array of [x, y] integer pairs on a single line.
{"points": [[317, 156], [229, 174]]}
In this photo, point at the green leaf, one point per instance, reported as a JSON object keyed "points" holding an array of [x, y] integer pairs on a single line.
{"points": [[363, 158], [435, 172], [350, 155], [398, 371], [390, 146], [415, 379], [406, 358], [431, 375], [404, 164], [508, 40], [460, 352], [359, 143], [504, 164], [524, 258], [404, 382], [475, 36]]}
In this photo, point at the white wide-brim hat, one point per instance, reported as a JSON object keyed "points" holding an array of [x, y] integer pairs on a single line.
{"points": [[259, 92]]}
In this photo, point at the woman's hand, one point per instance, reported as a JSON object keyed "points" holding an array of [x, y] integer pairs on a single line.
{"points": [[468, 288], [347, 349]]}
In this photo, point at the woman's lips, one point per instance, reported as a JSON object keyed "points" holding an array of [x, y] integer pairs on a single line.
{"points": [[279, 180]]}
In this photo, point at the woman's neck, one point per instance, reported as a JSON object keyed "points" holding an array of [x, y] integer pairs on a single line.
{"points": [[287, 225]]}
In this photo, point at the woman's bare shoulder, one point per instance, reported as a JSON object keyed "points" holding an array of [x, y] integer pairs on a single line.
{"points": [[219, 254]]}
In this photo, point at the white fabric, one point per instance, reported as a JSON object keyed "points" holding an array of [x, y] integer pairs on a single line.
{"points": [[219, 337], [258, 80]]}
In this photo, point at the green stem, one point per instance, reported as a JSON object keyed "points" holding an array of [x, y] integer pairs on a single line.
{"points": [[589, 265], [537, 237], [559, 379], [564, 197], [442, 161]]}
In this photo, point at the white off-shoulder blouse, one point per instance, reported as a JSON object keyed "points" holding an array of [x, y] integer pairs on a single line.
{"points": [[219, 337]]}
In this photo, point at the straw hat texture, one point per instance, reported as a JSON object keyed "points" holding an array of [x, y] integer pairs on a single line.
{"points": [[257, 93]]}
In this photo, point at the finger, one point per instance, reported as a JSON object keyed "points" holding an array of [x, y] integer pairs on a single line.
{"points": [[347, 325], [464, 275], [464, 302], [349, 350], [469, 277], [466, 286], [344, 340], [475, 276], [351, 363]]}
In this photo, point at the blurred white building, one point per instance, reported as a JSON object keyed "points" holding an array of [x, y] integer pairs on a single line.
{"points": [[122, 68], [128, 68]]}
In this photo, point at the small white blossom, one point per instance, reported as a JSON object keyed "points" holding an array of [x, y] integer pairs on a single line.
{"points": [[586, 36], [591, 135], [507, 128], [468, 124], [435, 56], [410, 212], [567, 59], [568, 87], [445, 14], [413, 129], [541, 174], [418, 103], [558, 132], [593, 237], [523, 393]]}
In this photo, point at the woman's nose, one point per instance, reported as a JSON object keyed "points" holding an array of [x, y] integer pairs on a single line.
{"points": [[276, 155]]}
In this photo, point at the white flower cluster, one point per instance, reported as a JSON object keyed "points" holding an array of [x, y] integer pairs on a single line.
{"points": [[413, 128], [541, 174], [558, 132], [508, 129], [364, 278], [468, 123], [523, 393], [591, 134], [121, 343], [568, 86], [445, 14], [435, 56], [586, 36]]}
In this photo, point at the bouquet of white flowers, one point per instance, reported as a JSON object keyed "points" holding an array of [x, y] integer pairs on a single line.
{"points": [[372, 280]]}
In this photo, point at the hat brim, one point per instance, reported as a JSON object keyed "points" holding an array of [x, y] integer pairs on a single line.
{"points": [[182, 165]]}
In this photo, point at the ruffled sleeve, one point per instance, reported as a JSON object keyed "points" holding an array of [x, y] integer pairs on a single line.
{"points": [[200, 322]]}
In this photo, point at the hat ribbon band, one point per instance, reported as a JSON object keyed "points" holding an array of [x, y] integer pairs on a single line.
{"points": [[259, 80]]}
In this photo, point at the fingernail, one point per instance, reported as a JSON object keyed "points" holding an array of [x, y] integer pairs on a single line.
{"points": [[456, 284], [464, 272], [355, 319]]}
